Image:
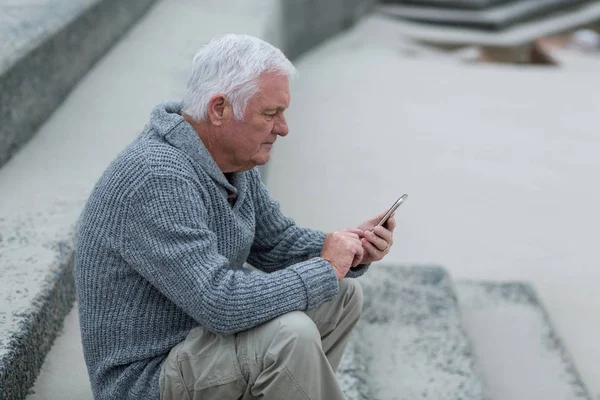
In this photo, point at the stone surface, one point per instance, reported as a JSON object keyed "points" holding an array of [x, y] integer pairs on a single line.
{"points": [[64, 374], [411, 340], [494, 18], [26, 24], [46, 47], [511, 332], [352, 373], [44, 186], [37, 292], [309, 22]]}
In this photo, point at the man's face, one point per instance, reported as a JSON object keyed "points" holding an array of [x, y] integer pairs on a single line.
{"points": [[252, 137]]}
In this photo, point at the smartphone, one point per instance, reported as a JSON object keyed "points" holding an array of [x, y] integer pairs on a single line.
{"points": [[392, 209]]}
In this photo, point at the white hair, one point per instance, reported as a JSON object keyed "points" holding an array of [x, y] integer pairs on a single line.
{"points": [[231, 65]]}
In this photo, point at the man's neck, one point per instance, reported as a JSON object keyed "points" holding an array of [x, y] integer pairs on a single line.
{"points": [[210, 141]]}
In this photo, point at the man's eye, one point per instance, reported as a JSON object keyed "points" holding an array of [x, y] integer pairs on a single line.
{"points": [[271, 115]]}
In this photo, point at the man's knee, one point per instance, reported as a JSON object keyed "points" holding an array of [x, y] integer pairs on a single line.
{"points": [[288, 334], [300, 327], [352, 291]]}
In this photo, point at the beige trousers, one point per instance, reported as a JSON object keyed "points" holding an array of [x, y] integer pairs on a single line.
{"points": [[293, 356]]}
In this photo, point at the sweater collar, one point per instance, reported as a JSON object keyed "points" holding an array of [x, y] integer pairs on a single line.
{"points": [[167, 122]]}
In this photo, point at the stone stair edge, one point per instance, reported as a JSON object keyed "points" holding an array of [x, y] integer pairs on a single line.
{"points": [[36, 82], [39, 326], [413, 309], [522, 292]]}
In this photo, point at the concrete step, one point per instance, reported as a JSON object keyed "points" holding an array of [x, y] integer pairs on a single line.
{"points": [[410, 340], [521, 355], [46, 47], [423, 337]]}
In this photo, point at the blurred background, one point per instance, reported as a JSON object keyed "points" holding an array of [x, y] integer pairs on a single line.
{"points": [[486, 114], [484, 111]]}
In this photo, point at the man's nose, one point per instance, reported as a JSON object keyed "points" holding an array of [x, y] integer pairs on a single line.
{"points": [[280, 128]]}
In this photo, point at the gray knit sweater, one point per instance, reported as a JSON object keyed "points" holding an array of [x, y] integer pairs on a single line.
{"points": [[161, 250]]}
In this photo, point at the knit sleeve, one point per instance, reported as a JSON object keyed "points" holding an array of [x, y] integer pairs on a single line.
{"points": [[167, 241], [278, 241]]}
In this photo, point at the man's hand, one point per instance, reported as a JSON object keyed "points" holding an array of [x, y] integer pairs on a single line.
{"points": [[377, 240], [343, 249]]}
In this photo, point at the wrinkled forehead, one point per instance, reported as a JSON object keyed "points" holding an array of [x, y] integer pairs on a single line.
{"points": [[274, 91]]}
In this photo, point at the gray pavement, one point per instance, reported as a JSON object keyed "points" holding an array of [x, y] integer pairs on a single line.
{"points": [[64, 374]]}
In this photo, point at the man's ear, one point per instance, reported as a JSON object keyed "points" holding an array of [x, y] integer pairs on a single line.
{"points": [[218, 109]]}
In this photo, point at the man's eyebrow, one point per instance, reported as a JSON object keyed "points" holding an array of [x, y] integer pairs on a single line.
{"points": [[275, 108]]}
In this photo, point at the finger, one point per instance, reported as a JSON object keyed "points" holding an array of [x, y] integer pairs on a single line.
{"points": [[375, 220], [356, 231], [379, 242], [356, 241], [373, 252], [358, 256], [391, 223], [379, 216], [383, 233], [351, 235], [352, 238]]}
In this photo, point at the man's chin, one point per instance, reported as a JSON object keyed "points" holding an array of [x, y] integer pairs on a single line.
{"points": [[263, 158]]}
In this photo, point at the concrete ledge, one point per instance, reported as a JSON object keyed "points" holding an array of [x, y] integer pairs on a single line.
{"points": [[521, 355], [410, 337], [22, 353], [307, 23], [63, 40], [352, 373]]}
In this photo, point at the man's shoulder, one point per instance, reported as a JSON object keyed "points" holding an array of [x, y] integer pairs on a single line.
{"points": [[146, 157], [156, 155], [150, 155]]}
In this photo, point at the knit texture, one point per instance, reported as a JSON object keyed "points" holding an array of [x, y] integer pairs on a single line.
{"points": [[160, 250]]}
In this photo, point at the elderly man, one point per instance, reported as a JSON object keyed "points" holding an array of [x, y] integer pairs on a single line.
{"points": [[167, 305]]}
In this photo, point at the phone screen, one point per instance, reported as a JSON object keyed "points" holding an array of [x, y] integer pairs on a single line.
{"points": [[392, 209]]}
